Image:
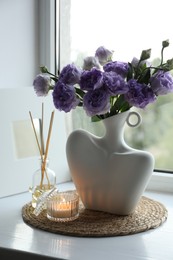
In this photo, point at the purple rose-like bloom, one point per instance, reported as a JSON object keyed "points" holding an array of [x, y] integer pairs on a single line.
{"points": [[139, 95], [119, 67], [162, 83], [64, 97], [70, 74], [41, 84], [90, 62], [115, 83], [91, 79], [96, 102], [104, 55]]}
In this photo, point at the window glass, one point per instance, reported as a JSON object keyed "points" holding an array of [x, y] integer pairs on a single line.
{"points": [[127, 27]]}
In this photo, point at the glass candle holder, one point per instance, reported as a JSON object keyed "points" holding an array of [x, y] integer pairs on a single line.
{"points": [[63, 206]]}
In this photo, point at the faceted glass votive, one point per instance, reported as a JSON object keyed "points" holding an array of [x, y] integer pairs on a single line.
{"points": [[63, 206]]}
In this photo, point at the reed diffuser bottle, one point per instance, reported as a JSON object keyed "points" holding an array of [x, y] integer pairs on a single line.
{"points": [[44, 179]]}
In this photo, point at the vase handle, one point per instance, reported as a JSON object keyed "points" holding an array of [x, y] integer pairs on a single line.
{"points": [[139, 119]]}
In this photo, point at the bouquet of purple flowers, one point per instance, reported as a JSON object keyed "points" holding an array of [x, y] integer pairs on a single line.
{"points": [[104, 87]]}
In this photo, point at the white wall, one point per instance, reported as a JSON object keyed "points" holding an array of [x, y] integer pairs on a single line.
{"points": [[19, 56], [22, 24], [16, 172]]}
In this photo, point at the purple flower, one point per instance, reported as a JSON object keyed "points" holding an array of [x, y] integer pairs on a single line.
{"points": [[104, 55], [139, 95], [119, 67], [41, 84], [70, 74], [91, 62], [115, 83], [96, 102], [64, 97], [91, 79], [162, 83]]}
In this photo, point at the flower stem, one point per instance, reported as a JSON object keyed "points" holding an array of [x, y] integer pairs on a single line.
{"points": [[52, 74], [161, 56]]}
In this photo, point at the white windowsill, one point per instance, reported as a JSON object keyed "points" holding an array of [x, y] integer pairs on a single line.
{"points": [[161, 182], [20, 240]]}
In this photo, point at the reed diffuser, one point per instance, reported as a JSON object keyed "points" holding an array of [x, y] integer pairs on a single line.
{"points": [[44, 179]]}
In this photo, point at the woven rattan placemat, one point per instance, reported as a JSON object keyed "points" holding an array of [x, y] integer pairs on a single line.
{"points": [[149, 214]]}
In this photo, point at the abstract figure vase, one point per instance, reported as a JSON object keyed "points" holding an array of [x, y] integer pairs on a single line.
{"points": [[108, 175]]}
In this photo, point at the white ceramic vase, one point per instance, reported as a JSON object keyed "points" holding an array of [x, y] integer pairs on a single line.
{"points": [[109, 175]]}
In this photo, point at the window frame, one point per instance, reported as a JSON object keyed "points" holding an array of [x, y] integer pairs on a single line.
{"points": [[47, 33]]}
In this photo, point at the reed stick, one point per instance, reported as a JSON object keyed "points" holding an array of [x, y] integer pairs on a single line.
{"points": [[32, 121], [47, 145], [40, 150], [42, 127]]}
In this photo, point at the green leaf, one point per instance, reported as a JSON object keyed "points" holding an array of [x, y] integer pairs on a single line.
{"points": [[54, 78], [125, 106], [95, 119], [130, 72], [117, 105], [145, 76], [79, 92]]}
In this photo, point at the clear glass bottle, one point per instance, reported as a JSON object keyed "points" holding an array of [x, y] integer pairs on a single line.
{"points": [[43, 180]]}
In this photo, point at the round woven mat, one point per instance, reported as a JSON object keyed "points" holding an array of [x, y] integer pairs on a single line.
{"points": [[149, 214]]}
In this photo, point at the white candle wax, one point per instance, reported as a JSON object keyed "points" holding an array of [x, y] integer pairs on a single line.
{"points": [[63, 206], [62, 209]]}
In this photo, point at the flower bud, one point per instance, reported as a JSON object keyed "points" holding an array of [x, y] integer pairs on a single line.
{"points": [[165, 43], [145, 54], [43, 69], [170, 64]]}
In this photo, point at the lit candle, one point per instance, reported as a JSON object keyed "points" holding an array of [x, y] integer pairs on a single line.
{"points": [[64, 206]]}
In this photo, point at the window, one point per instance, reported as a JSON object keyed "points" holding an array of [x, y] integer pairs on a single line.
{"points": [[127, 27]]}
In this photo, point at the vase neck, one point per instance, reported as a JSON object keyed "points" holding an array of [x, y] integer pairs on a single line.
{"points": [[114, 131]]}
